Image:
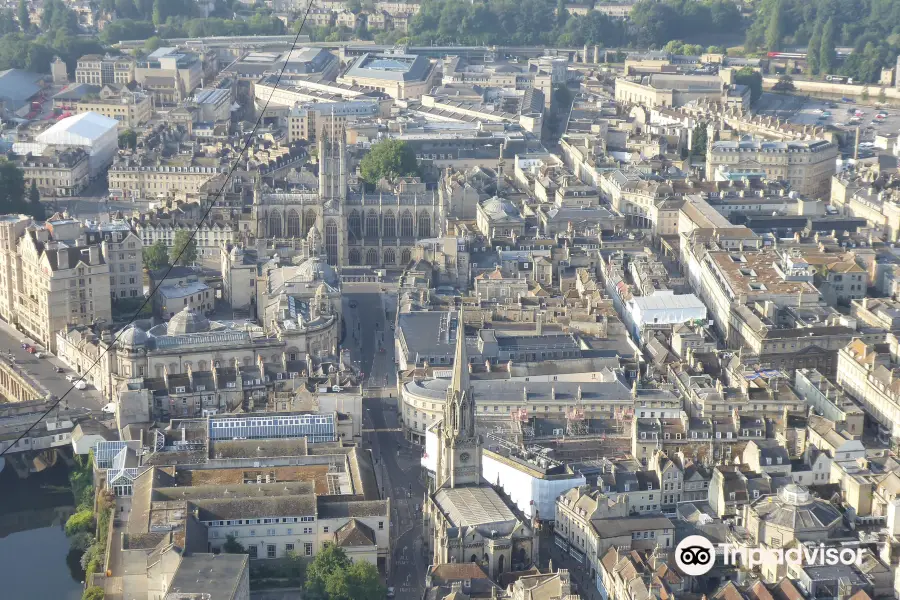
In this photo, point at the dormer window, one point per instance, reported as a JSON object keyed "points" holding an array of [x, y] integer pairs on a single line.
{"points": [[179, 389]]}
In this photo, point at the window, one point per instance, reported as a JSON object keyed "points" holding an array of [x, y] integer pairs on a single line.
{"points": [[288, 548], [307, 549], [252, 551], [380, 525], [270, 551], [325, 529]]}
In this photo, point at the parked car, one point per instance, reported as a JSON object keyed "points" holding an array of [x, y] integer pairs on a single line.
{"points": [[70, 377], [109, 409], [80, 385], [58, 369]]}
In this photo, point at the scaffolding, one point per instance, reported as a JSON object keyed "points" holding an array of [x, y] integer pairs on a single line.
{"points": [[575, 421]]}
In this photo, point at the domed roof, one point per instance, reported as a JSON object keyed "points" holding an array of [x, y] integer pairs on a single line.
{"points": [[187, 321], [315, 269], [499, 207], [133, 336], [795, 508]]}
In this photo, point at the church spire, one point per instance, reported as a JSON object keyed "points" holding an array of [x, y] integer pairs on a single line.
{"points": [[460, 381]]}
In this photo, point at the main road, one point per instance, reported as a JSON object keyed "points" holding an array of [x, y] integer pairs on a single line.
{"points": [[43, 369], [368, 318]]}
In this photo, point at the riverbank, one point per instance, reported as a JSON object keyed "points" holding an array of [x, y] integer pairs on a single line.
{"points": [[37, 562]]}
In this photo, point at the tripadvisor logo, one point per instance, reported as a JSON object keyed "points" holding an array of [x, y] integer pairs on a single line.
{"points": [[695, 555]]}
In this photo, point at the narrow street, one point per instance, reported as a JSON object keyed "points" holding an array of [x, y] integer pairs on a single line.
{"points": [[368, 315]]}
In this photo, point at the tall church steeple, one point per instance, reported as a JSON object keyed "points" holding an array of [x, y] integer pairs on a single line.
{"points": [[459, 410], [459, 447]]}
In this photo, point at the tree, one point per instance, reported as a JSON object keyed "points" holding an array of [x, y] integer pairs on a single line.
{"points": [[152, 44], [813, 48], [388, 159], [753, 79], [561, 15], [364, 582], [184, 248], [827, 54], [785, 83], [699, 140], [94, 592], [232, 546], [35, 208], [22, 15], [882, 95], [12, 188], [156, 256], [329, 561], [80, 522], [128, 138], [775, 30]]}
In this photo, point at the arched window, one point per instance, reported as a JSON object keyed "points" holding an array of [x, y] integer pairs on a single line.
{"points": [[405, 257], [390, 225], [201, 365], [371, 224], [372, 257], [424, 224], [293, 223], [390, 257], [355, 224], [309, 219], [406, 224], [331, 242], [275, 224], [354, 256]]}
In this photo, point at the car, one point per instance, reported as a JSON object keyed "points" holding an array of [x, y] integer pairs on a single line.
{"points": [[31, 350], [80, 385], [109, 409], [354, 304], [390, 592], [70, 377], [39, 355], [58, 369]]}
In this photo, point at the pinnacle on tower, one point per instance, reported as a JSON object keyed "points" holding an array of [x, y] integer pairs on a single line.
{"points": [[460, 382]]}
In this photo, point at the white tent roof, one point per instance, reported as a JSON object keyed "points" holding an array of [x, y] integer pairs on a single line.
{"points": [[84, 128]]}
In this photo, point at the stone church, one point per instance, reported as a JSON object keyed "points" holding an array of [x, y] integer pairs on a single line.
{"points": [[469, 521], [377, 229]]}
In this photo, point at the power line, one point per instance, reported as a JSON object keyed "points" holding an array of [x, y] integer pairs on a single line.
{"points": [[137, 313]]}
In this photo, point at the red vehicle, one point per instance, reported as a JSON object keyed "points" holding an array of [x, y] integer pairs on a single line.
{"points": [[31, 350]]}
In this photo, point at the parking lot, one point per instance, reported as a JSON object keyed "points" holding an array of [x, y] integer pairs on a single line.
{"points": [[803, 110]]}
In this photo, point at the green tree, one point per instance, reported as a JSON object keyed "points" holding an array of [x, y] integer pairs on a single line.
{"points": [[785, 83], [813, 48], [12, 188], [827, 54], [753, 79], [775, 30], [22, 14], [882, 95], [94, 592], [128, 139], [35, 208], [388, 159], [156, 256], [232, 546], [561, 14], [184, 248], [152, 44], [82, 521], [699, 140], [330, 563]]}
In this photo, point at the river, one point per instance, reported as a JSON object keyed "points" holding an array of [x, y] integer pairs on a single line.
{"points": [[36, 559]]}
